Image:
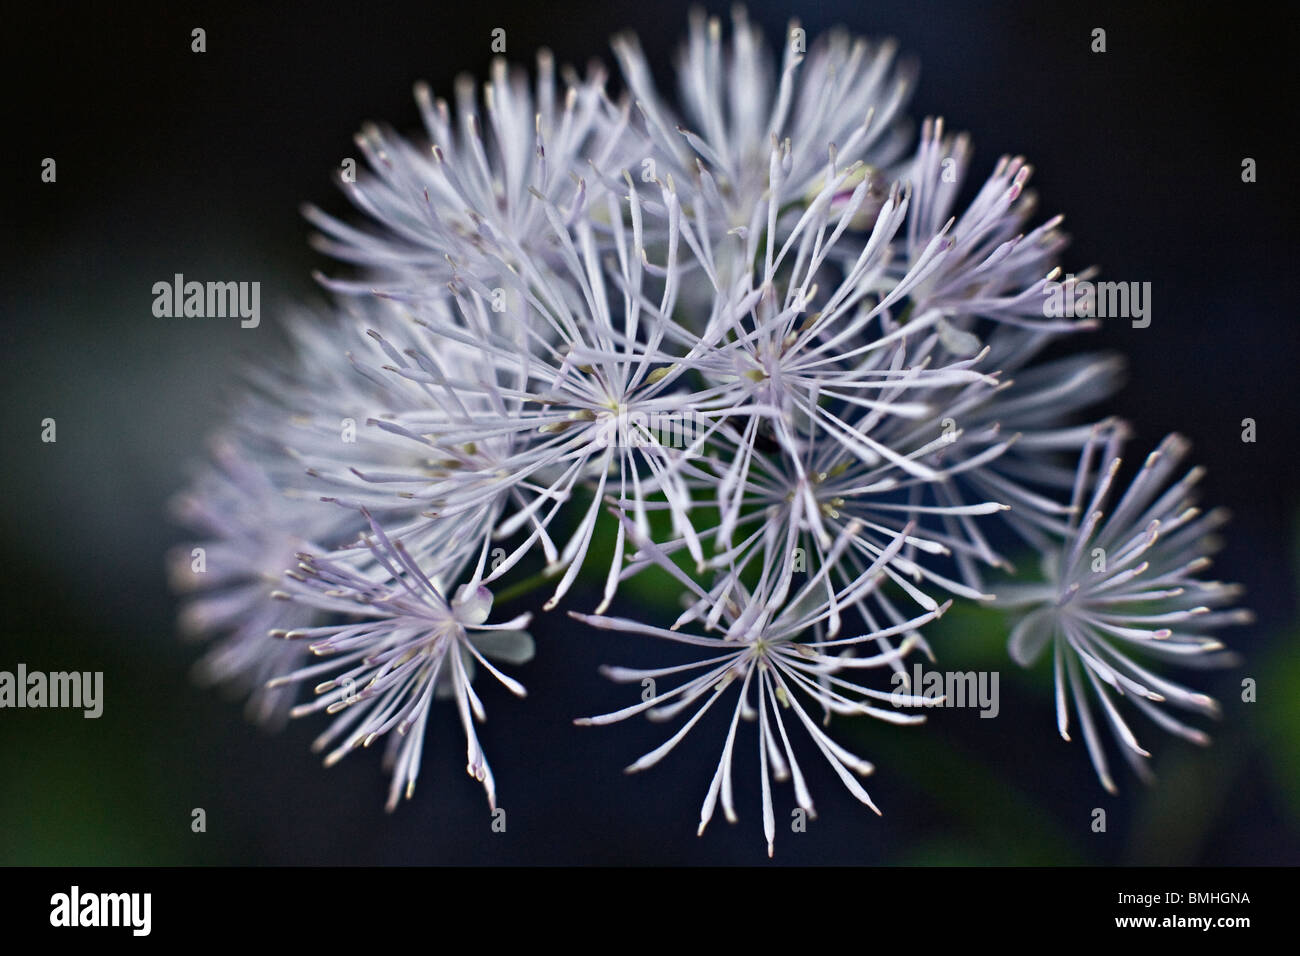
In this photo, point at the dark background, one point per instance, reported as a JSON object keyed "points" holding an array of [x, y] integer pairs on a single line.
{"points": [[170, 161]]}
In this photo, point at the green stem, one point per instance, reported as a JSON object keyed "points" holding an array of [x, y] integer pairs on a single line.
{"points": [[521, 588]]}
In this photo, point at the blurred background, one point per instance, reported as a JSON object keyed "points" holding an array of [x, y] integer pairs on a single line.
{"points": [[169, 161]]}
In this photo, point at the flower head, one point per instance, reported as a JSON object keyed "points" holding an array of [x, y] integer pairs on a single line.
{"points": [[750, 127], [778, 649], [755, 339], [464, 200], [250, 529], [1123, 586], [404, 645]]}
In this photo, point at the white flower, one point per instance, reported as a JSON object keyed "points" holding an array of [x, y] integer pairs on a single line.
{"points": [[251, 530], [749, 131], [470, 190], [777, 648], [763, 319], [1122, 585], [405, 645]]}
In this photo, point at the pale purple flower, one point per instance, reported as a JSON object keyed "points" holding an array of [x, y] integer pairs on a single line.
{"points": [[464, 199], [250, 531], [1123, 585], [775, 644], [761, 314], [404, 645], [751, 128]]}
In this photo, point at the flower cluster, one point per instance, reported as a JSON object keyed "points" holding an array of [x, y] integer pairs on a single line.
{"points": [[762, 344]]}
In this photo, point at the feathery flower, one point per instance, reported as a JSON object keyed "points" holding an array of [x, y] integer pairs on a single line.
{"points": [[471, 189], [405, 645], [252, 529], [574, 388], [765, 319], [747, 132], [1122, 585], [777, 647]]}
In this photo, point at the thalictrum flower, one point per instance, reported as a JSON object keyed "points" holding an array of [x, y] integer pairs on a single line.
{"points": [[1123, 586], [774, 642], [251, 530], [441, 205], [404, 645], [763, 317], [750, 129]]}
